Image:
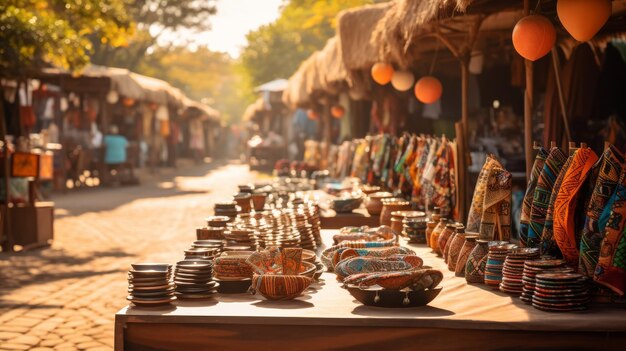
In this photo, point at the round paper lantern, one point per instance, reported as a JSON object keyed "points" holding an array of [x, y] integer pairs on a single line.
{"points": [[533, 37], [382, 73], [402, 80], [312, 115], [428, 89], [112, 97], [583, 18], [337, 111], [128, 102]]}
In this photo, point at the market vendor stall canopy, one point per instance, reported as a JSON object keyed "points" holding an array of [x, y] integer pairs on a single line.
{"points": [[275, 86], [195, 109], [254, 110]]}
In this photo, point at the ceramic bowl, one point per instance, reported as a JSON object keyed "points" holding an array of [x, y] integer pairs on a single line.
{"points": [[376, 296], [346, 205], [217, 221], [280, 287], [157, 267]]}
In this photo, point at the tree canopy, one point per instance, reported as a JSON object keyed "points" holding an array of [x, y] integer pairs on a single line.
{"points": [[33, 31], [276, 50]]}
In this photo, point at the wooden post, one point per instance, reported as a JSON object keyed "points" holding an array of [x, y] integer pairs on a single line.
{"points": [[557, 76], [7, 239], [528, 107]]}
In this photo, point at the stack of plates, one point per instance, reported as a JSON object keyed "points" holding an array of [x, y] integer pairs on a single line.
{"points": [[149, 284], [513, 269], [305, 229], [201, 253], [194, 280], [218, 221], [560, 292], [209, 244], [210, 233], [240, 237], [495, 264], [227, 208], [532, 268]]}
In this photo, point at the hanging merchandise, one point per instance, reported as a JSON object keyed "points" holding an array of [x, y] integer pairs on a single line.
{"points": [[428, 89], [566, 208], [533, 37], [128, 102], [312, 114], [402, 80], [611, 165], [583, 18], [382, 73], [337, 111], [542, 154], [548, 245], [541, 197]]}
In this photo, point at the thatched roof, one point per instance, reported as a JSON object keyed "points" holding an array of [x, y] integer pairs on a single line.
{"points": [[253, 110], [200, 110], [295, 95], [329, 64], [355, 28]]}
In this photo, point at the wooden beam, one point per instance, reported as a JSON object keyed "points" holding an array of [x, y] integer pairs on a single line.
{"points": [[528, 107], [557, 76]]}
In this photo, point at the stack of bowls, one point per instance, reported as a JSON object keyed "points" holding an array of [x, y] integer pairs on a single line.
{"points": [[398, 217], [209, 244], [242, 238], [149, 284], [202, 253], [532, 268], [513, 269], [218, 221], [495, 264], [210, 233], [232, 272], [193, 280], [244, 201], [561, 292], [415, 230], [227, 208]]}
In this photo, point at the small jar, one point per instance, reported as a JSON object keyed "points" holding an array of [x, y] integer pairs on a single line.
{"points": [[468, 246], [475, 265], [444, 236], [430, 226], [446, 251], [455, 248], [434, 237]]}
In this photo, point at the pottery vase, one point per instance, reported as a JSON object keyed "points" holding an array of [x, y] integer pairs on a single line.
{"points": [[374, 202], [430, 226], [466, 249], [244, 201], [445, 236], [258, 201], [455, 250], [476, 261], [392, 205], [434, 237]]}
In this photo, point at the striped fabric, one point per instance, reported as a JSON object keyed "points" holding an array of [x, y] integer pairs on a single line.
{"points": [[540, 159], [548, 246], [565, 205], [495, 222], [611, 268], [543, 191], [478, 199], [610, 169]]}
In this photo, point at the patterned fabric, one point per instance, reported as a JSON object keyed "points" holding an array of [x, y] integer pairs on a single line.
{"points": [[530, 192], [548, 245], [609, 172], [291, 257], [443, 187], [565, 205], [495, 223], [611, 268], [541, 197], [478, 199]]}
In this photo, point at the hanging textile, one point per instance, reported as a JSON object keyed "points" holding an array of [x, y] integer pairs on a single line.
{"points": [[541, 197], [540, 159], [476, 208], [548, 245], [495, 223], [611, 268], [592, 234], [565, 206]]}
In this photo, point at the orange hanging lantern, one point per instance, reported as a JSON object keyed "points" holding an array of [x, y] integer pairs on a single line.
{"points": [[314, 116], [583, 18], [533, 37], [428, 89], [382, 73], [337, 111], [402, 80], [128, 102]]}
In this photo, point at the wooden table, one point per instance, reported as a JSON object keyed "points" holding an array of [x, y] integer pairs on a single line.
{"points": [[462, 317]]}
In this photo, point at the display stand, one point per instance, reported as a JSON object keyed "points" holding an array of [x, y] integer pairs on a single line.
{"points": [[462, 317]]}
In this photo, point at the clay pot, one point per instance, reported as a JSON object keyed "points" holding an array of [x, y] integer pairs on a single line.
{"points": [[218, 221], [398, 217], [258, 201], [468, 246], [392, 205], [476, 261], [243, 201], [444, 237], [430, 226], [434, 237], [455, 249], [374, 204]]}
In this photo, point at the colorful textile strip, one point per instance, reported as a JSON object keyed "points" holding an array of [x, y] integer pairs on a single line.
{"points": [[548, 245], [478, 199], [527, 204], [495, 223], [541, 197], [609, 173], [565, 205], [611, 268]]}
